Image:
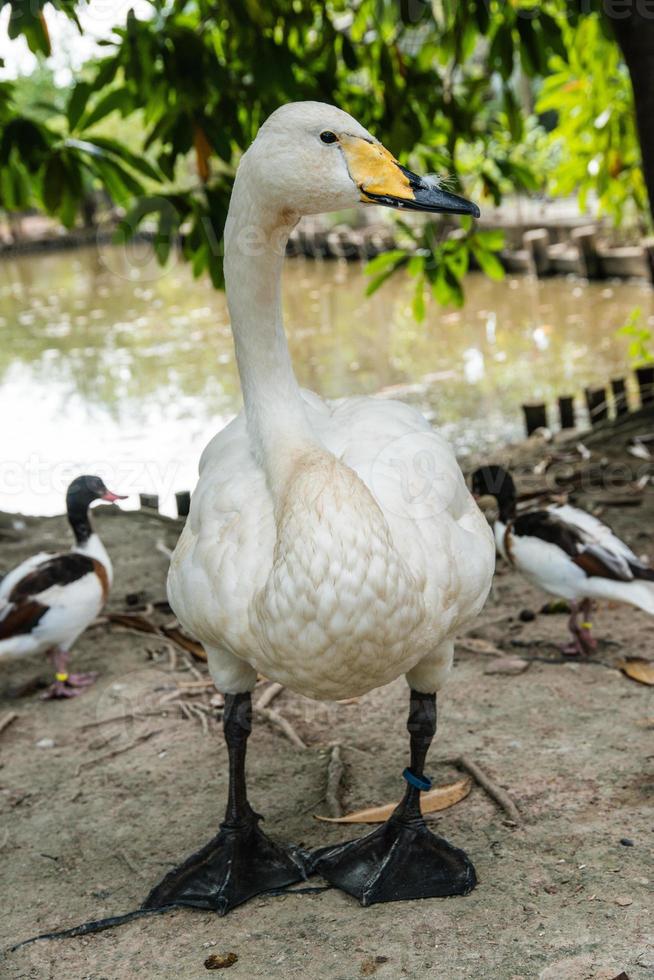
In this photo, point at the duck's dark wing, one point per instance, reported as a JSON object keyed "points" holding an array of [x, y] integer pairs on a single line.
{"points": [[27, 603], [59, 570], [21, 618], [594, 557]]}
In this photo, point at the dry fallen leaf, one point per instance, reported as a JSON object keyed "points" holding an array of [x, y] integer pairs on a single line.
{"points": [[220, 961], [474, 644], [638, 669], [439, 798], [132, 621], [183, 640], [507, 665]]}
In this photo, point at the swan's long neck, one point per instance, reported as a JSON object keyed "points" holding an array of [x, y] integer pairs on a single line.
{"points": [[255, 242]]}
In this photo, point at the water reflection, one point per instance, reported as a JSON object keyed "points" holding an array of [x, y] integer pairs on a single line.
{"points": [[107, 363]]}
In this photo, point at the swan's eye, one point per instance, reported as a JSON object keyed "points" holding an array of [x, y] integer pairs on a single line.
{"points": [[328, 137]]}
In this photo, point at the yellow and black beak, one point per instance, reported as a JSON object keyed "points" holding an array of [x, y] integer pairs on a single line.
{"points": [[381, 179]]}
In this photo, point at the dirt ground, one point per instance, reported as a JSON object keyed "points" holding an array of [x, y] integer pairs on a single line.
{"points": [[84, 833]]}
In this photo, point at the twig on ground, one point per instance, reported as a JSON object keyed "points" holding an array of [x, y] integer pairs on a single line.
{"points": [[335, 770], [269, 695], [200, 715], [131, 715], [482, 624], [199, 676], [496, 792], [115, 752], [130, 864], [281, 723], [160, 546], [7, 719]]}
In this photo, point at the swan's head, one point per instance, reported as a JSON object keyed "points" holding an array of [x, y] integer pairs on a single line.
{"points": [[309, 158]]}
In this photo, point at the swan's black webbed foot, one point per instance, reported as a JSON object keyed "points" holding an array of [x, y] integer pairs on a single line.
{"points": [[402, 859], [399, 861], [239, 863]]}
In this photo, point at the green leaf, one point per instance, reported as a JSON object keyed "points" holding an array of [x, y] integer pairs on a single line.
{"points": [[77, 102], [117, 100], [489, 263], [382, 261], [418, 305], [54, 182], [126, 155], [378, 281], [491, 239]]}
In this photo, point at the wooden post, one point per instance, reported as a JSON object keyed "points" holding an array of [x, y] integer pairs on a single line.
{"points": [[598, 408], [567, 411], [537, 243], [149, 501], [645, 376], [590, 264], [183, 501], [648, 248], [620, 400], [535, 417]]}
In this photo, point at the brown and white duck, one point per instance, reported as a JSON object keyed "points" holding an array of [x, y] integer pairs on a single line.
{"points": [[568, 553], [48, 601]]}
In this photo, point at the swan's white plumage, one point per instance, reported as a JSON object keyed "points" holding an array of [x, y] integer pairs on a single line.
{"points": [[348, 589], [331, 546]]}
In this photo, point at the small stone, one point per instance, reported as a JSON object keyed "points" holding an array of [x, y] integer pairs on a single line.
{"points": [[527, 616], [507, 665], [626, 842], [623, 901], [220, 961], [46, 743]]}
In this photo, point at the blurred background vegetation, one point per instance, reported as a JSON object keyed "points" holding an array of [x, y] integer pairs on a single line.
{"points": [[501, 97]]}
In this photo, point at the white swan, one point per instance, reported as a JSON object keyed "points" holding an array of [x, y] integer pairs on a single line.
{"points": [[331, 546]]}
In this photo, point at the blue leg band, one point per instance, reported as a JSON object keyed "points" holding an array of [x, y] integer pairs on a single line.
{"points": [[419, 782]]}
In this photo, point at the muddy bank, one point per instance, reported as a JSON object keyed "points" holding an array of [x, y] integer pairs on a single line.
{"points": [[99, 796]]}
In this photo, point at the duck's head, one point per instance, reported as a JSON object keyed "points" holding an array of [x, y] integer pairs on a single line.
{"points": [[309, 158], [493, 481], [84, 490]]}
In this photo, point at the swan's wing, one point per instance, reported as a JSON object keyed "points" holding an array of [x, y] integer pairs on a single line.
{"points": [[225, 550], [413, 474]]}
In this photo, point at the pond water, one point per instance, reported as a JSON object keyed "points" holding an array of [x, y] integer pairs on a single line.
{"points": [[109, 364]]}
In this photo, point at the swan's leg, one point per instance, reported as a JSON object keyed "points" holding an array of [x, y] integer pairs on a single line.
{"points": [[65, 685], [402, 859], [240, 861]]}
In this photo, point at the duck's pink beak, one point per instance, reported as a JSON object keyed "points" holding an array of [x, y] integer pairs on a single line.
{"points": [[110, 497]]}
